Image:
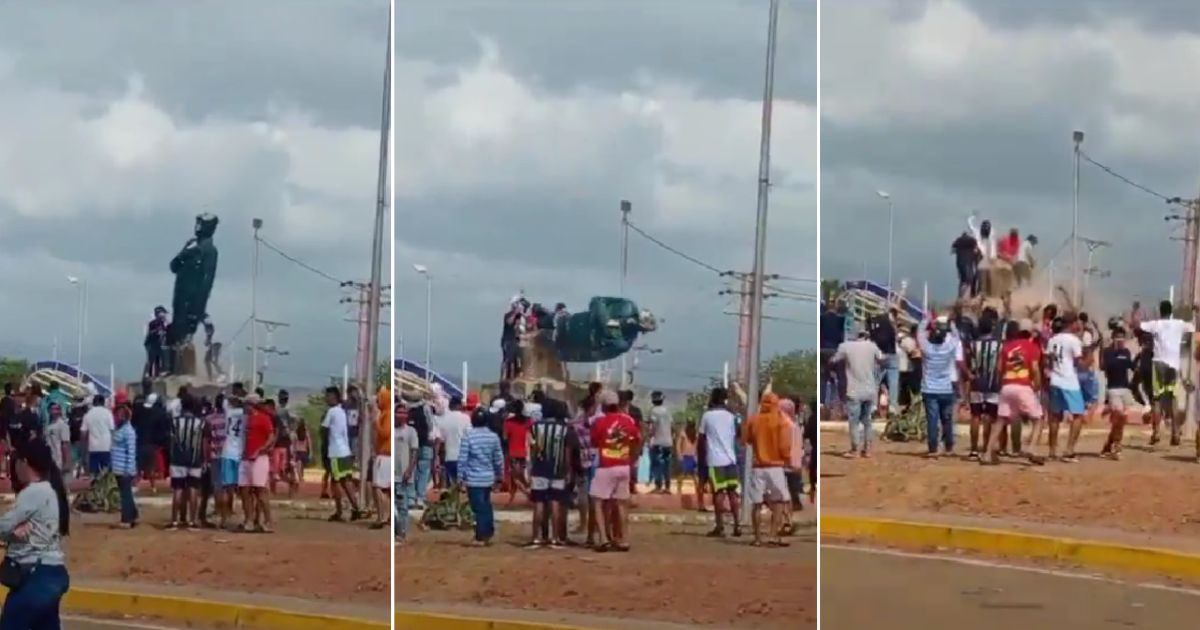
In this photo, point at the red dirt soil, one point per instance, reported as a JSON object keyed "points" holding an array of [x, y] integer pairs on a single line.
{"points": [[306, 558], [674, 574], [1144, 493]]}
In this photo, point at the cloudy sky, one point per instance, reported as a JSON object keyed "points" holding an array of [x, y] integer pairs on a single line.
{"points": [[521, 126], [120, 124], [954, 106]]}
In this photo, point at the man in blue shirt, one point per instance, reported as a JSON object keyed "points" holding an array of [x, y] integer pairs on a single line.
{"points": [[480, 466], [941, 358]]}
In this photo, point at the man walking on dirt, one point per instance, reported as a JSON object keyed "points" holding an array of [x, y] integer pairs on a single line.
{"points": [[1168, 341], [942, 360], [336, 430], [718, 439], [1117, 363], [861, 359], [1064, 352]]}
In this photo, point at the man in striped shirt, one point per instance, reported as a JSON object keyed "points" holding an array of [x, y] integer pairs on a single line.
{"points": [[214, 441], [552, 444], [187, 462], [480, 466]]}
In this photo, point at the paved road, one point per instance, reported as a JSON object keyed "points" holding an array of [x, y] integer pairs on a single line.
{"points": [[862, 588], [78, 623]]}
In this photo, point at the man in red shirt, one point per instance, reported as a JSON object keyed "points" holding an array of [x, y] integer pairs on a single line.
{"points": [[516, 435], [1020, 368], [255, 470], [615, 437]]}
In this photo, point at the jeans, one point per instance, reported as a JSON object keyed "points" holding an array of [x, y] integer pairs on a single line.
{"points": [[129, 510], [859, 412], [34, 605], [660, 467], [890, 374], [939, 417], [420, 485], [402, 491], [485, 517]]}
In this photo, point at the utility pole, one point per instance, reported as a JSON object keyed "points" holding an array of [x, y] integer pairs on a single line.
{"points": [[1077, 136], [374, 297], [268, 348], [760, 244], [1089, 271], [626, 208], [257, 225], [361, 302]]}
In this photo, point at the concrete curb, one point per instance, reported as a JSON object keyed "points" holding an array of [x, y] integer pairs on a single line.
{"points": [[1090, 553], [411, 620], [122, 604], [842, 426]]}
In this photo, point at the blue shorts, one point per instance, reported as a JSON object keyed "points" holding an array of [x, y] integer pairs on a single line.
{"points": [[227, 472], [1089, 387], [688, 464], [1066, 400]]}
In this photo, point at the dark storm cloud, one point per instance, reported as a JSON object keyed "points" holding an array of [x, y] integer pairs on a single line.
{"points": [[557, 237], [1012, 164], [206, 72], [607, 44], [226, 58]]}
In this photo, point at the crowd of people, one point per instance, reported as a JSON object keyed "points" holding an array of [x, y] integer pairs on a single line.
{"points": [[1016, 377], [587, 461], [238, 447]]}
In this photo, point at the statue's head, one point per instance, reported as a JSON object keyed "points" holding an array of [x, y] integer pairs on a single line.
{"points": [[206, 225], [647, 321]]}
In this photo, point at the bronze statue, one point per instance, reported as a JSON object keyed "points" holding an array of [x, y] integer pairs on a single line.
{"points": [[195, 268]]}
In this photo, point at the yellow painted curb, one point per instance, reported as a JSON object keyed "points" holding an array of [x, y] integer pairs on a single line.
{"points": [[438, 621], [999, 542], [119, 603]]}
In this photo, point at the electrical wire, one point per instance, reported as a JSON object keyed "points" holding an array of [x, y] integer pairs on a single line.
{"points": [[687, 257], [298, 262], [1128, 181]]}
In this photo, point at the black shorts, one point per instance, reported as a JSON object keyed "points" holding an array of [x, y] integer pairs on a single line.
{"points": [[543, 490], [517, 461], [179, 483], [985, 409]]}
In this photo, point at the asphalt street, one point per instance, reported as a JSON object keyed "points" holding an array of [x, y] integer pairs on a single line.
{"points": [[866, 588]]}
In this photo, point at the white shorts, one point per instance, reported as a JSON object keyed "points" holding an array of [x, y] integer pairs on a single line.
{"points": [[980, 398], [768, 485], [1121, 399], [183, 472], [381, 474]]}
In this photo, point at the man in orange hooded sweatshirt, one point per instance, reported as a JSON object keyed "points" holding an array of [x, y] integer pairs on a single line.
{"points": [[770, 435]]}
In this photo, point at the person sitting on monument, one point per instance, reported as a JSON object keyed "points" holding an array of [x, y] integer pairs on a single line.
{"points": [[155, 343]]}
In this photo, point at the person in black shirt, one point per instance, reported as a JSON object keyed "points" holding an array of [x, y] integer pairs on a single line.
{"points": [[418, 418], [635, 412], [1118, 365], [882, 330], [966, 260], [509, 342], [23, 428]]}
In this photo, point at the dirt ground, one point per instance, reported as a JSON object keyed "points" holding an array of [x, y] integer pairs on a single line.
{"points": [[306, 557], [673, 574], [1147, 492]]}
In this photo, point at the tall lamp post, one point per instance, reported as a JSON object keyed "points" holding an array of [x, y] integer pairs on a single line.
{"points": [[891, 237], [424, 271], [81, 284], [1077, 137]]}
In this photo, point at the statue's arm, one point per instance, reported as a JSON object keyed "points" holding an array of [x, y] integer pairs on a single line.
{"points": [[184, 256]]}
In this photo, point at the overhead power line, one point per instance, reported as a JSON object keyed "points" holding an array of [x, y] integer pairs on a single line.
{"points": [[1130, 182], [687, 257], [298, 262]]}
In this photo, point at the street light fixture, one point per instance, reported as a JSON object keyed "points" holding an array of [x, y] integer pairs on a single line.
{"points": [[82, 285], [424, 271], [891, 237]]}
